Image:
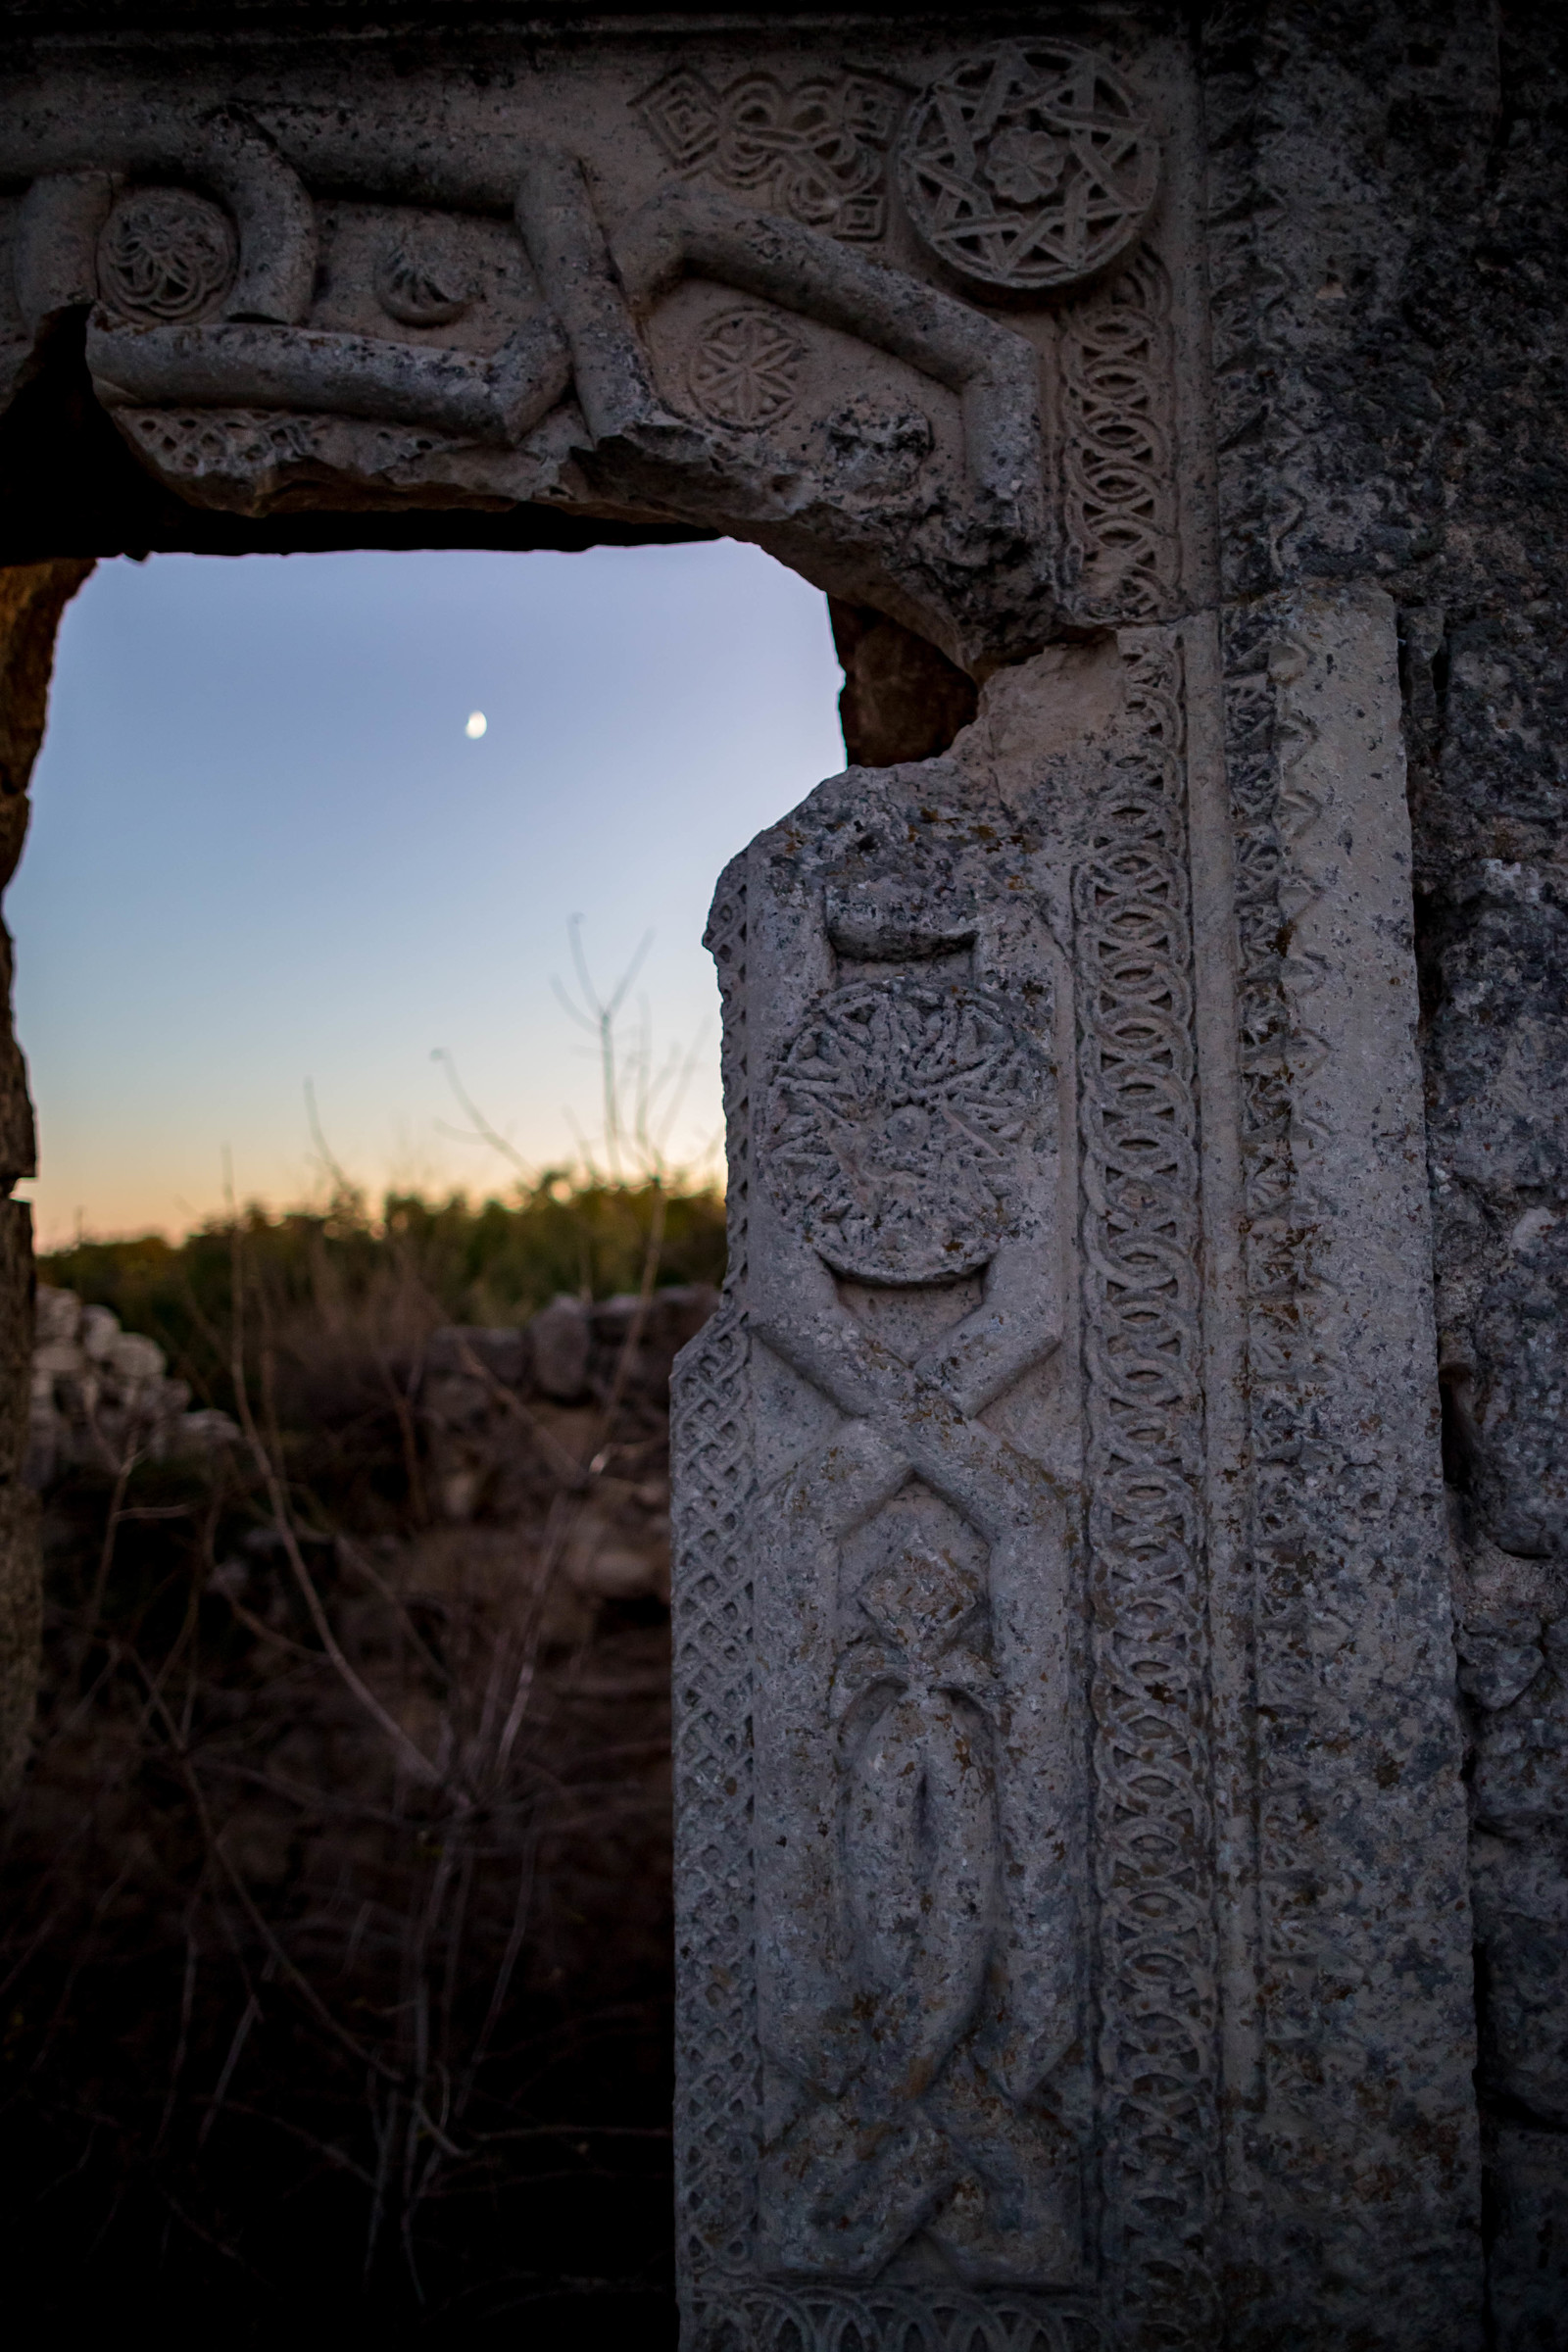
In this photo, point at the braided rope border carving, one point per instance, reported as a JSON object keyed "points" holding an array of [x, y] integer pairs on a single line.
{"points": [[1118, 458], [718, 2064], [1153, 1871]]}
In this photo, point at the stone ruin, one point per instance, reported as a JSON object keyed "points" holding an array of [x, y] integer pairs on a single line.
{"points": [[506, 1418], [510, 1416], [1120, 1741], [102, 1398]]}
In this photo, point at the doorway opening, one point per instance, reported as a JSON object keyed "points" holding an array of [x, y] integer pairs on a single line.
{"points": [[338, 1924]]}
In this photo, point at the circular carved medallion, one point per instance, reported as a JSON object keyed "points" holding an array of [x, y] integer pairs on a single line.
{"points": [[167, 255], [745, 369], [422, 278], [1029, 166], [897, 1129]]}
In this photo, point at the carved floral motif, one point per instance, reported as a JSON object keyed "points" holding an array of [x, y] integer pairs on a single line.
{"points": [[168, 255], [422, 277], [1028, 165], [816, 150], [745, 369], [894, 1129]]}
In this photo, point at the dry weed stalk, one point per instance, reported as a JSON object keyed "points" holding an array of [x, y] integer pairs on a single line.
{"points": [[334, 1962], [393, 1829]]}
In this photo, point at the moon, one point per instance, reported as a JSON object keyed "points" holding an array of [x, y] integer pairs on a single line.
{"points": [[476, 725]]}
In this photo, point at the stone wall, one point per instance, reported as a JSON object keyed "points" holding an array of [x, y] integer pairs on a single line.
{"points": [[32, 600], [102, 1400], [1392, 192], [510, 1414]]}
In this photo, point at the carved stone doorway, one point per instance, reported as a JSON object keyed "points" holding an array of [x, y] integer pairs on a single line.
{"points": [[1073, 1932]]}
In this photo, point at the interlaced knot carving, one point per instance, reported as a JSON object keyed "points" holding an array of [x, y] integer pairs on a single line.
{"points": [[912, 2066], [1118, 458], [816, 150], [1153, 1834], [894, 1127], [935, 2319], [922, 1959]]}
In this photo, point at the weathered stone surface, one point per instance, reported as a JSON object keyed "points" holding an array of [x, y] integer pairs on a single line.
{"points": [[901, 699], [946, 1480], [1392, 330], [32, 600], [1191, 384]]}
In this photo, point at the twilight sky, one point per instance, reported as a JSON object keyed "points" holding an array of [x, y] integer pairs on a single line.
{"points": [[266, 848]]}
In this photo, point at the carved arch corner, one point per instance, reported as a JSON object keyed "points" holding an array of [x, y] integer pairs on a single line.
{"points": [[740, 305]]}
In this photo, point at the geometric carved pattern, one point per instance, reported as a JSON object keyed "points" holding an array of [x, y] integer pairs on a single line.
{"points": [[1152, 1828], [939, 2317], [1027, 165], [816, 152], [1118, 458], [226, 442], [743, 371], [895, 1128], [719, 2090], [165, 255]]}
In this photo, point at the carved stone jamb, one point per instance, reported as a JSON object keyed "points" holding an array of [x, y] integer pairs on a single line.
{"points": [[906, 1058], [33, 598], [1364, 1905], [1282, 2044]]}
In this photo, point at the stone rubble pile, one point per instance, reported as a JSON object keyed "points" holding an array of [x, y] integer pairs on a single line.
{"points": [[515, 1419], [101, 1396]]}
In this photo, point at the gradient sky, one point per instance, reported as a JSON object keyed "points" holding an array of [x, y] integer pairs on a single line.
{"points": [[265, 851]]}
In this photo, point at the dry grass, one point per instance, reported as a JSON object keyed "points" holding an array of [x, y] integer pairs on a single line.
{"points": [[336, 1937]]}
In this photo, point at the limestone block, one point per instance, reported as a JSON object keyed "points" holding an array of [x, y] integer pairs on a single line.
{"points": [[776, 294]]}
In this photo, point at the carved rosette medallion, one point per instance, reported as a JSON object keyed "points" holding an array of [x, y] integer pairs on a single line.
{"points": [[421, 278], [745, 369], [167, 256], [1029, 166], [896, 1123]]}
